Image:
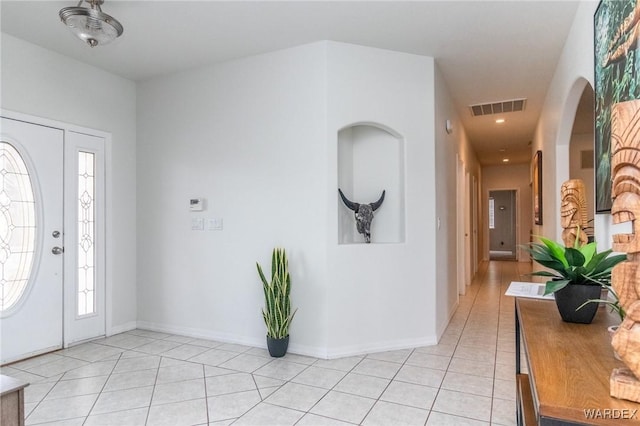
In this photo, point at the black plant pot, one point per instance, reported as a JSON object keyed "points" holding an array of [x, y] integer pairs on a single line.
{"points": [[573, 296], [277, 347]]}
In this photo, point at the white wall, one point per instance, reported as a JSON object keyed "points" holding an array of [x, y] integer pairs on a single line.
{"points": [[248, 136], [257, 138], [42, 83], [553, 133], [382, 296], [446, 146]]}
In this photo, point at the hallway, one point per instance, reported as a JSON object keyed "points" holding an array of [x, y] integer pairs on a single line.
{"points": [[149, 378]]}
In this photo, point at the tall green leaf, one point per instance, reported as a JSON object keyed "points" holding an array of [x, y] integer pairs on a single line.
{"points": [[574, 257], [553, 286], [556, 250], [277, 311], [588, 250]]}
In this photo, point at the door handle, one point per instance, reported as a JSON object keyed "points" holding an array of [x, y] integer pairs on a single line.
{"points": [[57, 250]]}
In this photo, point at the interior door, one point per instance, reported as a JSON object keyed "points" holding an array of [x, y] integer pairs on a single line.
{"points": [[31, 239], [502, 236], [462, 288]]}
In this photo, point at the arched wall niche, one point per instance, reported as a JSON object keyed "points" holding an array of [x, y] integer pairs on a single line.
{"points": [[370, 160]]}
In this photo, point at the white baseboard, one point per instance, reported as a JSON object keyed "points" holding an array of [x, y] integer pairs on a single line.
{"points": [[392, 345], [201, 333], [444, 326], [121, 328], [312, 351]]}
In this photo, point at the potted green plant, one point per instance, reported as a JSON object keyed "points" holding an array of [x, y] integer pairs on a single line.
{"points": [[277, 313], [576, 274]]}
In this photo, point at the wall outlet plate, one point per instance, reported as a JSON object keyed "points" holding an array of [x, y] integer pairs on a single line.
{"points": [[197, 224]]}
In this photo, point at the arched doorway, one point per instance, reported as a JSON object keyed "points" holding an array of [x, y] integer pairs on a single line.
{"points": [[581, 151]]}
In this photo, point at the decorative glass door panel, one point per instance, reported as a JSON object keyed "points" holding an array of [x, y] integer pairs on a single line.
{"points": [[17, 227], [86, 233]]}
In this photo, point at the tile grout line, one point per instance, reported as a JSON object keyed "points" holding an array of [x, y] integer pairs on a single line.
{"points": [[468, 314], [155, 382], [206, 395], [329, 390], [387, 387], [101, 389], [493, 389]]}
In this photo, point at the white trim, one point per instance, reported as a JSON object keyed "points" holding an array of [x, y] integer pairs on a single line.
{"points": [[460, 240], [200, 333], [390, 345], [443, 326], [121, 328], [316, 352], [80, 342], [30, 355]]}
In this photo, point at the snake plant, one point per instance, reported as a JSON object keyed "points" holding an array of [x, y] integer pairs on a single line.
{"points": [[277, 311]]}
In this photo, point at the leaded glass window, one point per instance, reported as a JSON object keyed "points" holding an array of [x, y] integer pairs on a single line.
{"points": [[86, 233], [17, 226]]}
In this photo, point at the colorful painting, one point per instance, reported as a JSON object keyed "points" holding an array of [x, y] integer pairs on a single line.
{"points": [[617, 28]]}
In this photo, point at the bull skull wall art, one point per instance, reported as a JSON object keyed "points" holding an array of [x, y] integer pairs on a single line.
{"points": [[363, 214]]}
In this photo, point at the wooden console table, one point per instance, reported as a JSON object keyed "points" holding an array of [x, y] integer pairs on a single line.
{"points": [[11, 401], [568, 369]]}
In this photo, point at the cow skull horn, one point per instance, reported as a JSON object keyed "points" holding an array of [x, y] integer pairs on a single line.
{"points": [[378, 203], [363, 214], [353, 206]]}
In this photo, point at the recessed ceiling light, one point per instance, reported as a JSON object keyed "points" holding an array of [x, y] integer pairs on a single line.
{"points": [[505, 160], [500, 120]]}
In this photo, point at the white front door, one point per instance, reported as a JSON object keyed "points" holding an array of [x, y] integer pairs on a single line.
{"points": [[31, 239]]}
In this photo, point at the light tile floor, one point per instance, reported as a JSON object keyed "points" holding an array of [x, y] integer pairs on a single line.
{"points": [[148, 378]]}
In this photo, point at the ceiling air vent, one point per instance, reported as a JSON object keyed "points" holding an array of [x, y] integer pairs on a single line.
{"points": [[498, 107]]}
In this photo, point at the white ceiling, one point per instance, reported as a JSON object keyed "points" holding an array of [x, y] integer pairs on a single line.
{"points": [[487, 50]]}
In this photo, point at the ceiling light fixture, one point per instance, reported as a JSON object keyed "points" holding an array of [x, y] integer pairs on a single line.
{"points": [[505, 160], [90, 24], [500, 121]]}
